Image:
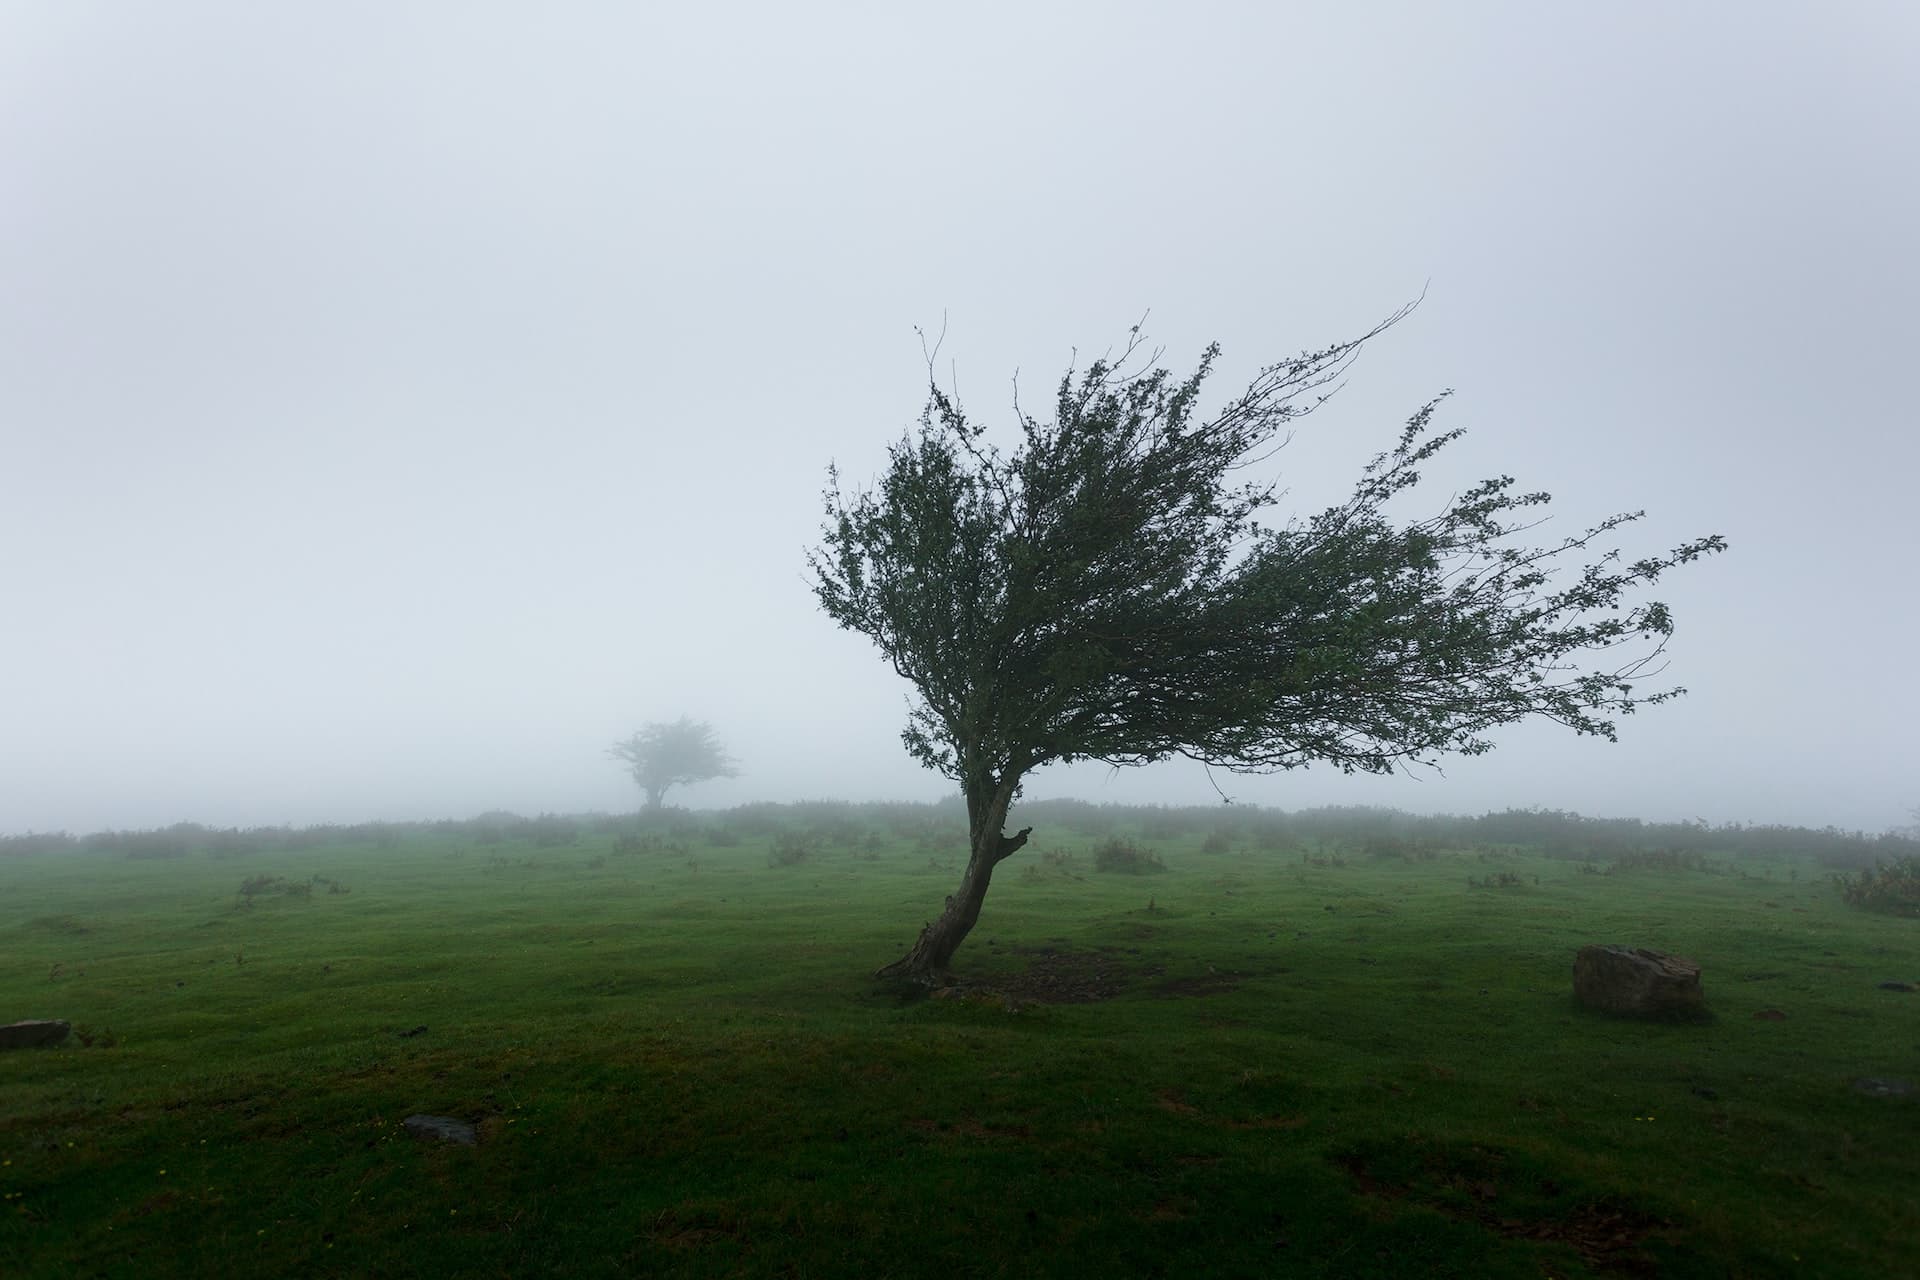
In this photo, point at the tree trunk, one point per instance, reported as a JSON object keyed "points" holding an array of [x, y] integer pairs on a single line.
{"points": [[926, 963], [655, 794]]}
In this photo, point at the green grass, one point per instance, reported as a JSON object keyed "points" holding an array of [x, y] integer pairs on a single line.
{"points": [[1318, 1062]]}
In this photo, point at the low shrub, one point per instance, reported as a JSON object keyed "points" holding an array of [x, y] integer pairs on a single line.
{"points": [[1498, 880], [1407, 850], [789, 850], [630, 844], [254, 886], [1892, 888], [1124, 856]]}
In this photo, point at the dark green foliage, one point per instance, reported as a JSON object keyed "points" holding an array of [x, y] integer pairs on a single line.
{"points": [[1497, 880], [1126, 857], [1108, 590], [1892, 888]]}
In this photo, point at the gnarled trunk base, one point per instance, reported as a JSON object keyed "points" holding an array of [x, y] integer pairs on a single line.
{"points": [[926, 963]]}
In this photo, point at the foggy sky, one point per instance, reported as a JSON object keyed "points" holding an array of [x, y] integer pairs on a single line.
{"points": [[398, 404]]}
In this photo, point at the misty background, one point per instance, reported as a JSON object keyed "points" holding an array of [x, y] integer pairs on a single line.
{"points": [[398, 404]]}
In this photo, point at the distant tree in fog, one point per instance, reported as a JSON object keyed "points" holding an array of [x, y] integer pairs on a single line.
{"points": [[1111, 589], [664, 755]]}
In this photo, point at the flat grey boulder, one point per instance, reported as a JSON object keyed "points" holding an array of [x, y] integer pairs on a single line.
{"points": [[33, 1033], [1637, 983], [445, 1128]]}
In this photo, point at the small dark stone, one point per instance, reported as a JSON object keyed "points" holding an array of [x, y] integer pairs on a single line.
{"points": [[1896, 986], [1883, 1088], [445, 1128], [417, 1031]]}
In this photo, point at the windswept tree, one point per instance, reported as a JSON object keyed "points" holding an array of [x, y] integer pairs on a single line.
{"points": [[1109, 588], [664, 755]]}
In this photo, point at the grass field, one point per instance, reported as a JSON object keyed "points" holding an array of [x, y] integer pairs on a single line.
{"points": [[1277, 1056]]}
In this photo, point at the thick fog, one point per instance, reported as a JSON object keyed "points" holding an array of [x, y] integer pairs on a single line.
{"points": [[401, 403]]}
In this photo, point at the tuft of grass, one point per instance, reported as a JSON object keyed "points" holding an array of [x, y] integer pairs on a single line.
{"points": [[1891, 888]]}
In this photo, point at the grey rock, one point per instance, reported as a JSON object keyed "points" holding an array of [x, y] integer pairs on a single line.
{"points": [[33, 1033], [445, 1128], [1636, 982]]}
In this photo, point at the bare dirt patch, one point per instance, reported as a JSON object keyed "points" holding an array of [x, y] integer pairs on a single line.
{"points": [[1472, 1184], [1059, 974]]}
